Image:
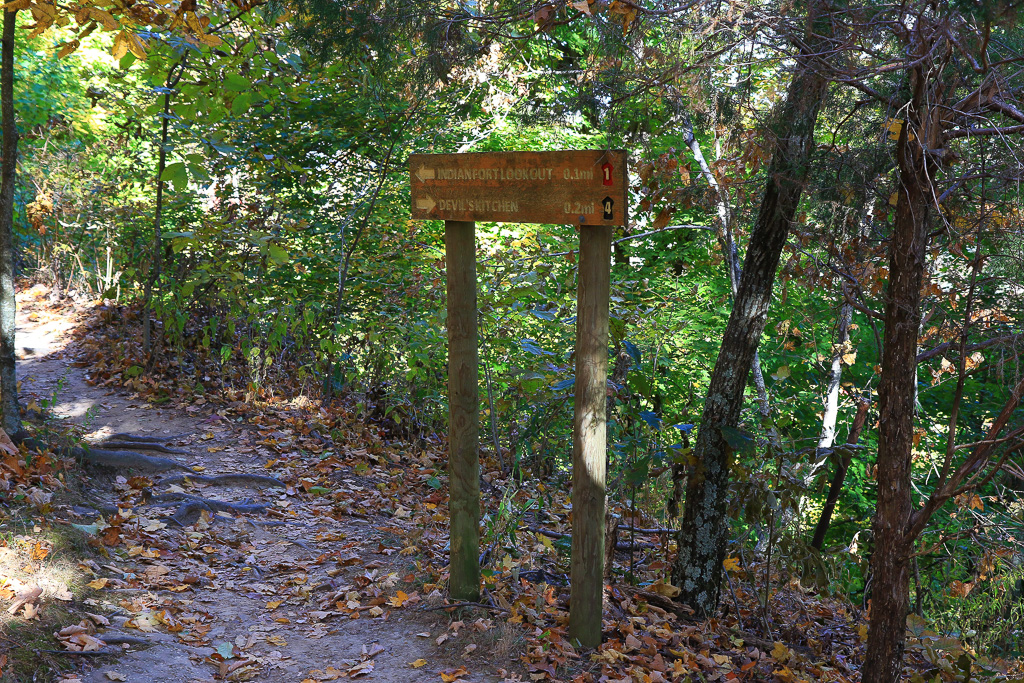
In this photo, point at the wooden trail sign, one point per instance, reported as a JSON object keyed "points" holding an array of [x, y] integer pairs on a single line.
{"points": [[585, 188], [581, 187]]}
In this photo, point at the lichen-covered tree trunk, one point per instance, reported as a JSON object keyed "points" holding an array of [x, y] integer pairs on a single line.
{"points": [[890, 565], [702, 535], [8, 166]]}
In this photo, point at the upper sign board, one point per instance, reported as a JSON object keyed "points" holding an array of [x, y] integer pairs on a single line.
{"points": [[582, 187]]}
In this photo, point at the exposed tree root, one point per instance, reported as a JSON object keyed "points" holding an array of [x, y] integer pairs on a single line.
{"points": [[190, 506], [139, 446], [188, 509], [126, 460], [120, 638], [106, 458], [250, 480], [138, 438]]}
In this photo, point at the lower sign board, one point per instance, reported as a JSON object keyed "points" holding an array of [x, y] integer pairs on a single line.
{"points": [[583, 187]]}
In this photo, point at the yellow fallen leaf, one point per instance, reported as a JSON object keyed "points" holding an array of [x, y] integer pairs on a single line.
{"points": [[666, 589], [731, 564], [418, 663], [98, 584], [274, 604], [781, 653], [398, 599]]}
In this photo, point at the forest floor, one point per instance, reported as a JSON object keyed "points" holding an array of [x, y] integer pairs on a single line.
{"points": [[289, 594], [320, 553]]}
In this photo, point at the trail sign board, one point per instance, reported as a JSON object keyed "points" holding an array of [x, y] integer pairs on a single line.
{"points": [[582, 187]]}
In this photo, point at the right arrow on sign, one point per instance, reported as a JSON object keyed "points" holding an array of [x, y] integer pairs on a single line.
{"points": [[425, 204], [608, 203]]}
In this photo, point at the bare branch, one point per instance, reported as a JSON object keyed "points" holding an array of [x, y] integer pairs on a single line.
{"points": [[971, 132]]}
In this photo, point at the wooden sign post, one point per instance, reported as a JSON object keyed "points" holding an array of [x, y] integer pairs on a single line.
{"points": [[583, 187], [463, 413]]}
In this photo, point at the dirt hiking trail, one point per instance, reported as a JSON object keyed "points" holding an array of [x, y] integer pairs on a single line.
{"points": [[287, 594]]}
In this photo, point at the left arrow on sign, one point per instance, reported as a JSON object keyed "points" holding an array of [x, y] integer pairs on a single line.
{"points": [[425, 173], [425, 204]]}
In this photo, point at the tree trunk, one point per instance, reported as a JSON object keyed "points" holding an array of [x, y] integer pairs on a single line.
{"points": [[702, 536], [836, 487], [890, 566], [157, 263], [831, 416], [8, 306]]}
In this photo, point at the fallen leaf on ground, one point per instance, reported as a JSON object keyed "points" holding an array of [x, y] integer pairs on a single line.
{"points": [[361, 669], [781, 653]]}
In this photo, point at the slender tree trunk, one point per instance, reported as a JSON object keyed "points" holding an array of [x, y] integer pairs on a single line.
{"points": [[158, 253], [8, 306], [702, 536], [836, 487], [831, 415], [339, 297], [343, 265], [890, 566]]}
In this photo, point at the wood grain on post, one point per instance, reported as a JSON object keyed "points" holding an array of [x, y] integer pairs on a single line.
{"points": [[463, 413], [589, 447]]}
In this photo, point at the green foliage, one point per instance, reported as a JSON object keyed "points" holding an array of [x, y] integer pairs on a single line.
{"points": [[286, 181]]}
